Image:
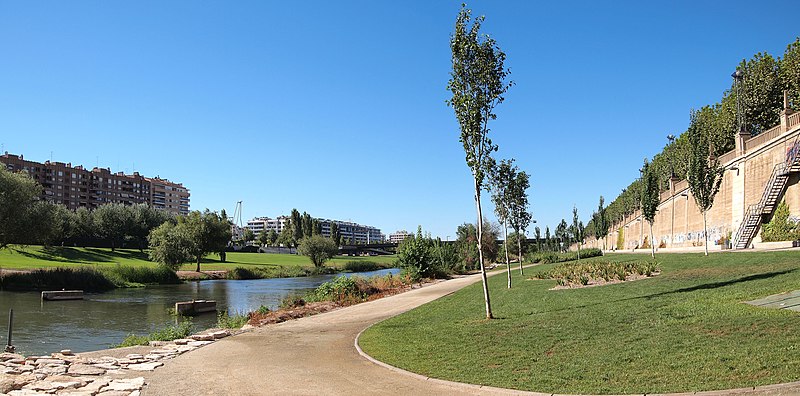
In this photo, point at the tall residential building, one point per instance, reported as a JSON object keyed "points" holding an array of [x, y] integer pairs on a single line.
{"points": [[77, 187]]}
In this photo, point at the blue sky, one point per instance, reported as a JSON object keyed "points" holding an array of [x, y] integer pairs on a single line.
{"points": [[338, 108]]}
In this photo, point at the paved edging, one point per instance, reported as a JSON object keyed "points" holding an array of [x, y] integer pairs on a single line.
{"points": [[788, 388]]}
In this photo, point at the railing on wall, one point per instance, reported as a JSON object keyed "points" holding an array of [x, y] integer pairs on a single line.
{"points": [[793, 120], [762, 138], [727, 157]]}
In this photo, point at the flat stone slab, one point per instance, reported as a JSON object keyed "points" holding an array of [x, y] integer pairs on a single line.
{"points": [[788, 300]]}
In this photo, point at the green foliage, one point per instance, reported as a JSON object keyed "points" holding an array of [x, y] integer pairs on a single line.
{"points": [[704, 173], [128, 275], [167, 333], [318, 248], [226, 320], [416, 256], [780, 228], [621, 239], [292, 301], [194, 236], [342, 288], [20, 208]]}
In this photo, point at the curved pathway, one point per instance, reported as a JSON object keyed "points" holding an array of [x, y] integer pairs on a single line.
{"points": [[316, 355]]}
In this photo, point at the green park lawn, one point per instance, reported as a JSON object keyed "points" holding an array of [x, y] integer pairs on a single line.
{"points": [[683, 330], [33, 257]]}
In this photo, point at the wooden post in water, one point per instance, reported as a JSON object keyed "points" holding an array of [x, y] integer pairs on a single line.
{"points": [[10, 348]]}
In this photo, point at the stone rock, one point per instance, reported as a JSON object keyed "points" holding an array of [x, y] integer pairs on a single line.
{"points": [[199, 343], [96, 385], [5, 356], [51, 385], [51, 370], [67, 352], [129, 385], [7, 385], [85, 369], [74, 392], [27, 392], [49, 361], [134, 356], [145, 366], [186, 348], [181, 341], [202, 337], [220, 334], [158, 343]]}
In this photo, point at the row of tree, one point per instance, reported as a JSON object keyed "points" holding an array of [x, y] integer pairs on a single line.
{"points": [[478, 84], [764, 79], [25, 219]]}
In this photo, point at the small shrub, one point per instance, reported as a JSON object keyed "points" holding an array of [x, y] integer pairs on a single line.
{"points": [[292, 301], [342, 289], [240, 273], [263, 310], [585, 272]]}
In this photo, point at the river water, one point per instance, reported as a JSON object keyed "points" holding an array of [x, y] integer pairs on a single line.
{"points": [[104, 319]]}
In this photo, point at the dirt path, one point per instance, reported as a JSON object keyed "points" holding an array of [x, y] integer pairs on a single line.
{"points": [[313, 355]]}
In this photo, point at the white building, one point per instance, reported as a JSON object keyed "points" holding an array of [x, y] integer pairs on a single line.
{"points": [[399, 236], [264, 224]]}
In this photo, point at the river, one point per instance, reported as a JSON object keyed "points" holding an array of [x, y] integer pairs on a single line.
{"points": [[103, 319]]}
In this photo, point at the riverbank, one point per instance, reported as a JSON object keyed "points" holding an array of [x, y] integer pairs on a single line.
{"points": [[97, 269]]}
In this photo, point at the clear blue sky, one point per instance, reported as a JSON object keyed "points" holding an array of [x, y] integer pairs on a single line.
{"points": [[338, 108]]}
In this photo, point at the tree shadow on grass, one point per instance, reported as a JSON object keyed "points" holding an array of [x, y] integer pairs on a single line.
{"points": [[63, 254], [704, 286]]}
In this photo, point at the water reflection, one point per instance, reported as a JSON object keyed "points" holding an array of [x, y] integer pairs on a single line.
{"points": [[101, 320]]}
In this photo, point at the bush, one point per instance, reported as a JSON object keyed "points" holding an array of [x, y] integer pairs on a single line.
{"points": [[781, 227], [318, 248], [341, 289], [292, 301]]}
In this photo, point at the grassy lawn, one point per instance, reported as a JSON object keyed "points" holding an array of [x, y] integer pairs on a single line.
{"points": [[684, 330], [33, 257]]}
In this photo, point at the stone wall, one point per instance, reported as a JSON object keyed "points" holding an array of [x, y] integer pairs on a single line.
{"points": [[679, 222]]}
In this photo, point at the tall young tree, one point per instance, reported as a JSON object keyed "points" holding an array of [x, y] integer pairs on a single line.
{"points": [[537, 233], [651, 195], [335, 234], [478, 84], [520, 216], [577, 229], [601, 223], [296, 226], [704, 171], [500, 179]]}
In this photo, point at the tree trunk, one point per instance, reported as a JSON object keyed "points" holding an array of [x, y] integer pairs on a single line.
{"points": [[480, 250], [652, 242], [519, 249], [198, 264], [505, 245], [705, 232]]}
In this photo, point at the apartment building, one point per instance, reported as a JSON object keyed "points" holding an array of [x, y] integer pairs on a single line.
{"points": [[76, 186], [353, 232], [264, 224]]}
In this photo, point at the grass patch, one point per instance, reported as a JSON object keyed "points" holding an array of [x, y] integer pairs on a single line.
{"points": [[685, 330], [167, 333], [560, 257], [85, 278], [365, 265], [226, 320]]}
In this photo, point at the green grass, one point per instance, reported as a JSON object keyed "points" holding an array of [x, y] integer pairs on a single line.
{"points": [[684, 330], [167, 333], [33, 257]]}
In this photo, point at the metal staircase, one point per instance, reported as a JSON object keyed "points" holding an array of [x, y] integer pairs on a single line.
{"points": [[773, 192]]}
